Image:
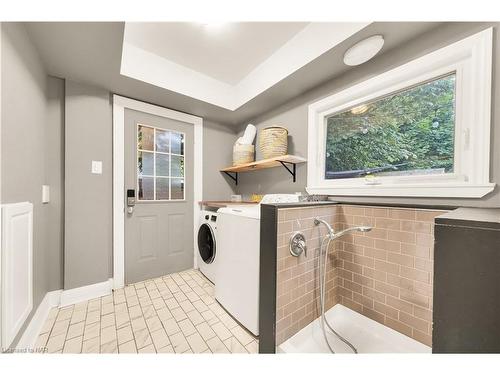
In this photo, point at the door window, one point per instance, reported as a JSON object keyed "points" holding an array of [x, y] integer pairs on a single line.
{"points": [[160, 164]]}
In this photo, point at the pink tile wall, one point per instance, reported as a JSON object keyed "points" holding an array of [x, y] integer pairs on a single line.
{"points": [[385, 274], [297, 286]]}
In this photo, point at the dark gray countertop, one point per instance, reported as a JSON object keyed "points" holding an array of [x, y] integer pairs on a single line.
{"points": [[471, 217]]}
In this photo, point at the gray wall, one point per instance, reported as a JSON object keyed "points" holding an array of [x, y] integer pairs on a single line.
{"points": [[28, 133], [293, 116], [217, 153], [55, 174], [88, 197]]}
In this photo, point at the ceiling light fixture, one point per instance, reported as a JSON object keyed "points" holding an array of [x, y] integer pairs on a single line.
{"points": [[364, 50], [213, 26]]}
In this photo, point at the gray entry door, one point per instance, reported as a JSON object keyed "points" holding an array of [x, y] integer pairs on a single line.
{"points": [[159, 167]]}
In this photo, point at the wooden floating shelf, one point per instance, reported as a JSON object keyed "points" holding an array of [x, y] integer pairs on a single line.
{"points": [[284, 161]]}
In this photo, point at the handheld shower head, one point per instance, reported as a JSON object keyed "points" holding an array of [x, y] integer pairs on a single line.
{"points": [[334, 235]]}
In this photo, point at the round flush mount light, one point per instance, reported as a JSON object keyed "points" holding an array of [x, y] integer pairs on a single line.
{"points": [[364, 50], [214, 26]]}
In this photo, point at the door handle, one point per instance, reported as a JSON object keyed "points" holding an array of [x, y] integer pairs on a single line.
{"points": [[130, 197], [130, 200]]}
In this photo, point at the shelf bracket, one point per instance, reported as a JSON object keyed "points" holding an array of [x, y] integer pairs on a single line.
{"points": [[291, 171], [233, 177]]}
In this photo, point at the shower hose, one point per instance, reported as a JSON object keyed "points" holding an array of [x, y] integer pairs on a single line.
{"points": [[322, 286]]}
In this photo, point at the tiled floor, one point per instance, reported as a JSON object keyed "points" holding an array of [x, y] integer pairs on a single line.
{"points": [[171, 314]]}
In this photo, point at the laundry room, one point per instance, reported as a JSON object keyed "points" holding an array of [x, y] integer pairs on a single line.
{"points": [[250, 187]]}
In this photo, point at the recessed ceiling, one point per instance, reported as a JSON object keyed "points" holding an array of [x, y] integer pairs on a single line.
{"points": [[224, 51], [229, 64], [92, 53]]}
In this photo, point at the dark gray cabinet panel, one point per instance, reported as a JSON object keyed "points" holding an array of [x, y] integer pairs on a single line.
{"points": [[466, 313]]}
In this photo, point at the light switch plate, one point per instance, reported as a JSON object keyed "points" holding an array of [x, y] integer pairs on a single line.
{"points": [[96, 167], [45, 194]]}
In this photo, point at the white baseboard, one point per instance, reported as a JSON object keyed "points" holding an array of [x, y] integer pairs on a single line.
{"points": [[30, 335], [84, 293], [60, 298]]}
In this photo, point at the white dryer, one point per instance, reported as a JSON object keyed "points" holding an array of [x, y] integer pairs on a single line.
{"points": [[207, 244], [238, 236]]}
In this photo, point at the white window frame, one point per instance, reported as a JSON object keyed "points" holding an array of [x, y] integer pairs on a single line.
{"points": [[471, 60]]}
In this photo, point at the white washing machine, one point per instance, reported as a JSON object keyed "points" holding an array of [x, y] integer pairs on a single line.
{"points": [[207, 244], [238, 257]]}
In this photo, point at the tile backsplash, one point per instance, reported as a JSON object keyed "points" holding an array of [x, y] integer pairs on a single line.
{"points": [[385, 274]]}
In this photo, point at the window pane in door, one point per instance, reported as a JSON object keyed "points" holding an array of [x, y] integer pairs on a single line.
{"points": [[162, 141], [162, 188], [177, 143], [162, 165], [177, 169], [146, 188], [145, 138], [409, 132], [177, 188], [145, 163]]}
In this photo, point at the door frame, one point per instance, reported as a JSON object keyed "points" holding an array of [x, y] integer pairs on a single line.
{"points": [[120, 103]]}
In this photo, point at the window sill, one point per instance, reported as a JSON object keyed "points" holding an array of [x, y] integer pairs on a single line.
{"points": [[456, 190]]}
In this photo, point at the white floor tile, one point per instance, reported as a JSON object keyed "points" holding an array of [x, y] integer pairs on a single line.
{"points": [[216, 345], [128, 347], [234, 345], [171, 326], [187, 327], [124, 334], [91, 330], [55, 343], [142, 338], [205, 331], [150, 349], [172, 314], [107, 320], [196, 342], [166, 349], [110, 347], [179, 342], [243, 336], [160, 339], [221, 331], [73, 345], [75, 330], [60, 328], [91, 346]]}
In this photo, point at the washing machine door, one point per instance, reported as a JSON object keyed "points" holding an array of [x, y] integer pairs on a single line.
{"points": [[206, 243]]}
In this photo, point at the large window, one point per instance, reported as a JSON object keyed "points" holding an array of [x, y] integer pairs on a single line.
{"points": [[410, 132], [421, 129], [160, 164]]}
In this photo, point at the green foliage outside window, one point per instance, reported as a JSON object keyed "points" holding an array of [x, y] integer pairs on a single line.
{"points": [[412, 130]]}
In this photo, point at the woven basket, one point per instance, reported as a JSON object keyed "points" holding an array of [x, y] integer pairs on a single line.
{"points": [[243, 154], [273, 141]]}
